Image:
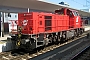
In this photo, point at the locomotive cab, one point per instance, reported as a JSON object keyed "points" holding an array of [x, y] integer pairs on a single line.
{"points": [[74, 18]]}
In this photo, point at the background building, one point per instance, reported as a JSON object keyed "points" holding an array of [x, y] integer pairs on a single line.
{"points": [[85, 18], [87, 10], [33, 5], [7, 17]]}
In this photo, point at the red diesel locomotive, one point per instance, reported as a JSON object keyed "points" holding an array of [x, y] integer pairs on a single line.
{"points": [[37, 29]]}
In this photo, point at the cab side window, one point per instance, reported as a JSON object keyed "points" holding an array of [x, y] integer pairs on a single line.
{"points": [[70, 14]]}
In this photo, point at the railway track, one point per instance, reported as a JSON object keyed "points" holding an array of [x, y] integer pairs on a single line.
{"points": [[44, 54], [83, 54], [75, 50]]}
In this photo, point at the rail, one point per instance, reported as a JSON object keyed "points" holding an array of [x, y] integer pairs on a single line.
{"points": [[76, 56]]}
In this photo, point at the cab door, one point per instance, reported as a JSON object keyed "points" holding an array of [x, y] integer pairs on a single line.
{"points": [[71, 19]]}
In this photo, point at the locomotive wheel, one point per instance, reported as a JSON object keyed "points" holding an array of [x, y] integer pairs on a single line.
{"points": [[46, 41], [54, 39], [66, 39], [75, 35], [82, 31], [59, 39], [51, 39]]}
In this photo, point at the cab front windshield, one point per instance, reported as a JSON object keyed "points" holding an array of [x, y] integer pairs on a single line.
{"points": [[72, 13], [75, 13]]}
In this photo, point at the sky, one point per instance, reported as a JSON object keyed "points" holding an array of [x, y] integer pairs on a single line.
{"points": [[77, 4]]}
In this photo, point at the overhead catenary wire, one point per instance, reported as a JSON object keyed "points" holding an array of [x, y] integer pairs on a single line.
{"points": [[82, 4], [77, 2]]}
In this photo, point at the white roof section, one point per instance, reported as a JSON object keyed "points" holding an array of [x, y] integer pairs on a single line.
{"points": [[36, 4]]}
